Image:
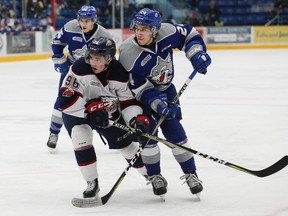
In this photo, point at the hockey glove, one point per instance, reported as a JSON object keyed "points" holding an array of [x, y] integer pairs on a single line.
{"points": [[141, 125], [162, 107], [61, 64], [201, 61], [96, 113], [169, 111]]}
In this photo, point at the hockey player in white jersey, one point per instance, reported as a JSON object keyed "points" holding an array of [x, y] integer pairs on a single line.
{"points": [[75, 35], [94, 91], [150, 64]]}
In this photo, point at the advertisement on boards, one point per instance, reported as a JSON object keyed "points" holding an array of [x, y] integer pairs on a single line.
{"points": [[270, 34], [22, 43], [231, 35]]}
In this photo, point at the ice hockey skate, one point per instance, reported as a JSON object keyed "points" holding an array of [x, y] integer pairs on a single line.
{"points": [[52, 142], [90, 198], [92, 189], [193, 182], [159, 185]]}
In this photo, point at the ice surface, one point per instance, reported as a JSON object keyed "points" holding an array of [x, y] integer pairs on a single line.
{"points": [[237, 112]]}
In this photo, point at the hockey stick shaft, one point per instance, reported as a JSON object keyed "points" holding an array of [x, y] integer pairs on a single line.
{"points": [[280, 164], [106, 197], [176, 98]]}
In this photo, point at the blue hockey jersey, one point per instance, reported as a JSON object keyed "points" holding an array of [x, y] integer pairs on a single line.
{"points": [[71, 34], [151, 67]]}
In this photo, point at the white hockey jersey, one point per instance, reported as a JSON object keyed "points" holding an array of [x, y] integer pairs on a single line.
{"points": [[81, 84]]}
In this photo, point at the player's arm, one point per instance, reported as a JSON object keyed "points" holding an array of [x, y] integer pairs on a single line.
{"points": [[71, 96], [129, 106], [191, 41], [132, 112], [61, 63], [149, 95]]}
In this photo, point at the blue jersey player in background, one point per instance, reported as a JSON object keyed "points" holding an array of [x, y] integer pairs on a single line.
{"points": [[150, 64], [75, 35]]}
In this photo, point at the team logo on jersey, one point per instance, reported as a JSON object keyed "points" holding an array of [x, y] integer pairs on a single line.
{"points": [[161, 73], [110, 103], [68, 93], [78, 53]]}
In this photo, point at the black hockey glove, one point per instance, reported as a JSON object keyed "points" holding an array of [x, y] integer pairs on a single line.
{"points": [[96, 113], [141, 125]]}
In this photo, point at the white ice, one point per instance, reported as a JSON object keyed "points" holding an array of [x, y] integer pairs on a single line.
{"points": [[237, 112]]}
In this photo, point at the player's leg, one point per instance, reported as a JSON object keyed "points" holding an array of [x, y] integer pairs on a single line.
{"points": [[151, 158], [82, 139], [174, 132], [56, 121], [121, 140]]}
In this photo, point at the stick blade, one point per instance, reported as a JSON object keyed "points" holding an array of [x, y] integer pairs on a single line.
{"points": [[279, 165], [86, 203]]}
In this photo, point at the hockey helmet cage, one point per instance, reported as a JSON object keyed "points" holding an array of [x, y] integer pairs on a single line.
{"points": [[147, 17]]}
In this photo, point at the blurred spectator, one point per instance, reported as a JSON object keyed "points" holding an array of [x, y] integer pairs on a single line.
{"points": [[10, 19], [207, 21], [18, 28], [76, 4], [193, 18], [35, 8], [103, 15], [58, 5], [45, 24], [171, 20], [193, 4], [276, 12], [214, 13], [279, 7]]}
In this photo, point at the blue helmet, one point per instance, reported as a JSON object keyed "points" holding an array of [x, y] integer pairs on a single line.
{"points": [[147, 17], [87, 12]]}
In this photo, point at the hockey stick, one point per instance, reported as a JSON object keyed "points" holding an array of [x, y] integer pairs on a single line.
{"points": [[82, 203], [180, 92], [280, 164], [105, 198]]}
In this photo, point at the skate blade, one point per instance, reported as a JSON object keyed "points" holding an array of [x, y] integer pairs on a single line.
{"points": [[162, 197], [87, 202], [198, 196], [52, 150]]}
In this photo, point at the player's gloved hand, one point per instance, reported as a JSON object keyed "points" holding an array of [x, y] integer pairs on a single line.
{"points": [[61, 64], [141, 125], [168, 110], [201, 61], [96, 113]]}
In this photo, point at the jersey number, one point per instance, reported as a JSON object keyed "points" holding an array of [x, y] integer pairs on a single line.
{"points": [[181, 30], [72, 82]]}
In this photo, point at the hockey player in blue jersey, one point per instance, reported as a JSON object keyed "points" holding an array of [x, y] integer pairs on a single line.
{"points": [[75, 35], [150, 64]]}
